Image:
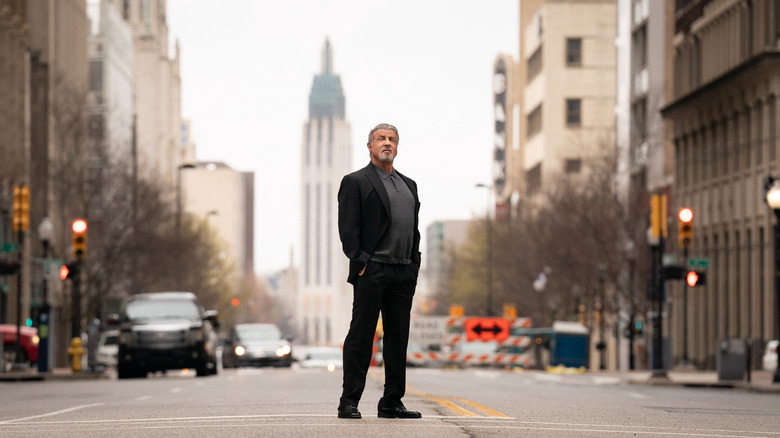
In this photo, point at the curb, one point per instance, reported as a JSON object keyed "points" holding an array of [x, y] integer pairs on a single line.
{"points": [[29, 376]]}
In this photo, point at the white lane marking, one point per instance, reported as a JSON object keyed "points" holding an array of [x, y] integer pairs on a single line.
{"points": [[175, 390], [636, 395], [49, 414], [548, 377], [603, 380], [143, 397], [487, 374]]}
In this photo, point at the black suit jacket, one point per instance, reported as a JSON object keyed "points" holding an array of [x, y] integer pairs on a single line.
{"points": [[364, 217]]}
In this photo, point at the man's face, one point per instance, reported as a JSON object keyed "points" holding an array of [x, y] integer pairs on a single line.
{"points": [[384, 146]]}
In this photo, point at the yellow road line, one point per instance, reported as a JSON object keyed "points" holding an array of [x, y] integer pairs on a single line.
{"points": [[482, 408], [454, 407], [448, 404]]}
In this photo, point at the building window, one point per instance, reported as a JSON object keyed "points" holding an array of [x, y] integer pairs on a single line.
{"points": [[534, 121], [533, 179], [534, 64], [639, 52], [573, 52], [95, 75], [573, 113], [572, 165]]}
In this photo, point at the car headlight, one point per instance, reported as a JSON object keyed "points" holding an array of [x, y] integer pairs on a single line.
{"points": [[283, 350], [240, 350]]}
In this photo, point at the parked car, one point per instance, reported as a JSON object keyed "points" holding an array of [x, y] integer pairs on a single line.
{"points": [[329, 358], [107, 348], [27, 354], [165, 330], [770, 355], [256, 345]]}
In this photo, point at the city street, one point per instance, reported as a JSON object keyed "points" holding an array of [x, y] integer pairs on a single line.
{"points": [[296, 402]]}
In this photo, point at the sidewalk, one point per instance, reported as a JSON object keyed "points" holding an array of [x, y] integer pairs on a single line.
{"points": [[32, 375], [760, 380]]}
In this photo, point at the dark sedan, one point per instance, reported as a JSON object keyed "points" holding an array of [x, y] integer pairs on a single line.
{"points": [[256, 345]]}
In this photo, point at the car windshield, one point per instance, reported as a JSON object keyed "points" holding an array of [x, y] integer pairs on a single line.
{"points": [[167, 309], [258, 333], [110, 340]]}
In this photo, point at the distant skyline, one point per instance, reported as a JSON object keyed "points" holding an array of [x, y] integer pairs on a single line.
{"points": [[247, 68]]}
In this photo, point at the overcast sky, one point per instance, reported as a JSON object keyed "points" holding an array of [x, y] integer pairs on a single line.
{"points": [[425, 66]]}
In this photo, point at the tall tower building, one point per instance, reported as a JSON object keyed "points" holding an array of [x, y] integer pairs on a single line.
{"points": [[324, 304]]}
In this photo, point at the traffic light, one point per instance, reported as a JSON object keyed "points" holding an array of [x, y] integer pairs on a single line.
{"points": [[8, 267], [235, 302], [685, 228], [79, 228], [21, 208], [510, 311], [456, 311], [695, 278], [69, 271]]}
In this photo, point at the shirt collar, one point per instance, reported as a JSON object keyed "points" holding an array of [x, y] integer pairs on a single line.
{"points": [[384, 175]]}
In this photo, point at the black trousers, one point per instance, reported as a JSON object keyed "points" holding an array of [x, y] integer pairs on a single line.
{"points": [[387, 288]]}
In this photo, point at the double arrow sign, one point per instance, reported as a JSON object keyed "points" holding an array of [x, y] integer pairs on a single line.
{"points": [[486, 329]]}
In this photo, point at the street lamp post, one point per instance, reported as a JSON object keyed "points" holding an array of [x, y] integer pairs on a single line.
{"points": [[773, 200], [488, 252], [178, 216], [45, 234]]}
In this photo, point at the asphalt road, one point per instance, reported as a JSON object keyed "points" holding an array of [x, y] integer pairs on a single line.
{"points": [[302, 403]]}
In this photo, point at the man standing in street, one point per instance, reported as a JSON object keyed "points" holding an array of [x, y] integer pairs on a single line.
{"points": [[379, 231]]}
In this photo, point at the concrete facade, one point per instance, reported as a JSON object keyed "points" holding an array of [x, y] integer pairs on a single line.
{"points": [[441, 239], [566, 88], [324, 309], [224, 197], [726, 79], [157, 89], [111, 81]]}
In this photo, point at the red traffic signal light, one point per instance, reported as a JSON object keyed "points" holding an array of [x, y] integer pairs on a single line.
{"points": [[235, 302], [692, 278], [695, 278], [64, 271]]}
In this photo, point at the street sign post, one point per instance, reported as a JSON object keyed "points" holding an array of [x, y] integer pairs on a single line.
{"points": [[699, 262]]}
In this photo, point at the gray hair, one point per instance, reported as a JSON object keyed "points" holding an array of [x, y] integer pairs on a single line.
{"points": [[382, 126]]}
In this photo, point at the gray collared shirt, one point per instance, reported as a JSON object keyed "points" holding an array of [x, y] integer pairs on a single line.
{"points": [[396, 245]]}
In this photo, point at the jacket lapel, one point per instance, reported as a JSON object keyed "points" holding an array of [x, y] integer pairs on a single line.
{"points": [[378, 186]]}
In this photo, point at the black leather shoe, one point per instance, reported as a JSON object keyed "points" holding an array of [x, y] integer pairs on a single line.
{"points": [[349, 411], [398, 412]]}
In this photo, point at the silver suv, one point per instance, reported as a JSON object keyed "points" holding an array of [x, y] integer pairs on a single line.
{"points": [[166, 330]]}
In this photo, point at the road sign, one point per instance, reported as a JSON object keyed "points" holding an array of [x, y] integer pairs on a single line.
{"points": [[11, 248], [428, 330], [699, 262], [486, 329]]}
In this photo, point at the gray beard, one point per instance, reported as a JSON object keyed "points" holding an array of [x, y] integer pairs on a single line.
{"points": [[386, 158]]}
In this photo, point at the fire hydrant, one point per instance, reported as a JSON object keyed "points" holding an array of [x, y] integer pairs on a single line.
{"points": [[75, 351]]}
